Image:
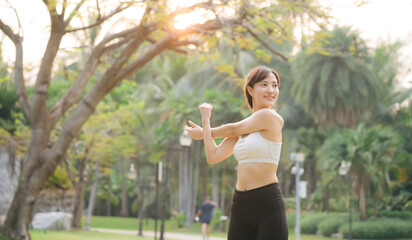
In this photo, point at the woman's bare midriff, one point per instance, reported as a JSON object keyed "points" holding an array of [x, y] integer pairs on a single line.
{"points": [[255, 175]]}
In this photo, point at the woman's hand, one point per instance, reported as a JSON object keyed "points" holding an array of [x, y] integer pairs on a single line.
{"points": [[205, 110], [195, 131]]}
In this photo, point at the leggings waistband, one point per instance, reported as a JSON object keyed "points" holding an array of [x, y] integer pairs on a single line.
{"points": [[265, 193]]}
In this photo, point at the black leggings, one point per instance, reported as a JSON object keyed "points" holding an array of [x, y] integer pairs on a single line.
{"points": [[258, 214]]}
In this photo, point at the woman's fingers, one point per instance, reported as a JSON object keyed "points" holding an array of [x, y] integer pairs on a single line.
{"points": [[192, 124]]}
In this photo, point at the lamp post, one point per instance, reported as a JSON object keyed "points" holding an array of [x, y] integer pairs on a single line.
{"points": [[158, 180], [344, 170], [132, 175], [185, 141], [298, 158]]}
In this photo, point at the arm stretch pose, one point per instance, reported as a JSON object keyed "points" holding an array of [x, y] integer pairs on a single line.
{"points": [[258, 207]]}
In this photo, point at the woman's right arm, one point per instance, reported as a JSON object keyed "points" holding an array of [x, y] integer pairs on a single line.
{"points": [[214, 153]]}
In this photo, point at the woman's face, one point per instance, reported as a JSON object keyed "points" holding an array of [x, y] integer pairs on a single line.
{"points": [[264, 93]]}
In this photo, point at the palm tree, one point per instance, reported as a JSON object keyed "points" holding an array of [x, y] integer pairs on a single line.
{"points": [[334, 82], [370, 150]]}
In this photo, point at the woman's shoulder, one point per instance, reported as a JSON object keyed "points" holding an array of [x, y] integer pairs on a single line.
{"points": [[270, 114]]}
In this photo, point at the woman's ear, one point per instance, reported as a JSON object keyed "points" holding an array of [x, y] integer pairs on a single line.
{"points": [[250, 90]]}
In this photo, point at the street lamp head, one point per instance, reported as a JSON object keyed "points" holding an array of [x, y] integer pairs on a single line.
{"points": [[300, 171], [132, 173], [297, 157], [344, 168], [185, 140]]}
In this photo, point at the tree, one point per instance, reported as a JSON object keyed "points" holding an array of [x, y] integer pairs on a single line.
{"points": [[334, 82], [370, 150], [149, 37]]}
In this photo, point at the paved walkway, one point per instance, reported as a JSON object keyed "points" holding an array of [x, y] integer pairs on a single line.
{"points": [[167, 235]]}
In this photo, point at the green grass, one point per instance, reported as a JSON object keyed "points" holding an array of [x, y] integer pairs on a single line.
{"points": [[132, 224], [123, 223], [91, 235]]}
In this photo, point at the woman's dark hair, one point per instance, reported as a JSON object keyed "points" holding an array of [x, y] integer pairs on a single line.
{"points": [[257, 74]]}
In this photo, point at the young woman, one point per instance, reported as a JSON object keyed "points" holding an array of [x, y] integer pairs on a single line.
{"points": [[258, 208]]}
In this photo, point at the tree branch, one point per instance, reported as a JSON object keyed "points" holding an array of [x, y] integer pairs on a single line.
{"points": [[64, 8], [69, 170], [189, 9], [74, 94], [148, 55], [100, 19], [18, 69], [74, 12], [266, 45], [181, 51]]}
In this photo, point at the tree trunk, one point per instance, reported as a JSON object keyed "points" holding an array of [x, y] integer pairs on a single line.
{"points": [[19, 214], [196, 180], [36, 170], [189, 195], [142, 206], [79, 202], [362, 200], [326, 199], [123, 211], [93, 195], [203, 166], [109, 198], [310, 175], [215, 184], [181, 182]]}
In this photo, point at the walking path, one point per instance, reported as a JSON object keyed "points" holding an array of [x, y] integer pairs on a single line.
{"points": [[167, 235]]}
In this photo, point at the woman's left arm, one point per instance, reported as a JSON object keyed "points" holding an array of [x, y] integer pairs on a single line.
{"points": [[263, 119]]}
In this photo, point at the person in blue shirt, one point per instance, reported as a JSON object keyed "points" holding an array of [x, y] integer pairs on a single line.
{"points": [[205, 214]]}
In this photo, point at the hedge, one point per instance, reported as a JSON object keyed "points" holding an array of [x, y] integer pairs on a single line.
{"points": [[331, 225], [405, 215], [309, 223], [379, 229]]}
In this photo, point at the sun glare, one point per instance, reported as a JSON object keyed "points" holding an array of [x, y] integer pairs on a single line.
{"points": [[183, 21]]}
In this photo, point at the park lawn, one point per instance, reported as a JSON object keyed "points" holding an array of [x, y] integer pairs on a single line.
{"points": [[148, 225], [89, 235], [82, 235]]}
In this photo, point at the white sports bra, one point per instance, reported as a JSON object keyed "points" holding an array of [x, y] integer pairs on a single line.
{"points": [[256, 149]]}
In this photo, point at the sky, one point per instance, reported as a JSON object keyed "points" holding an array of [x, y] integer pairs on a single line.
{"points": [[378, 21]]}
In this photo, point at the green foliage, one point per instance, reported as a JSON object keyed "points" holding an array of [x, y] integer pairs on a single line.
{"points": [[380, 229], [9, 108], [404, 215], [59, 179], [178, 219], [334, 82], [331, 225], [309, 223], [291, 217]]}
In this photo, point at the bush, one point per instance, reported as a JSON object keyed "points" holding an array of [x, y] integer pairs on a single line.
{"points": [[379, 229], [310, 221], [331, 225], [291, 217], [405, 215]]}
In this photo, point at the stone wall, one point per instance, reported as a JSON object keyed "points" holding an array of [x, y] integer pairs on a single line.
{"points": [[52, 200], [9, 173], [48, 200]]}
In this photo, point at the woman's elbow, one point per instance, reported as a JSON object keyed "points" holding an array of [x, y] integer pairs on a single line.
{"points": [[211, 160]]}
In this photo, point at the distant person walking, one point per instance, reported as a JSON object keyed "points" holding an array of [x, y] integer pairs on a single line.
{"points": [[205, 214]]}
